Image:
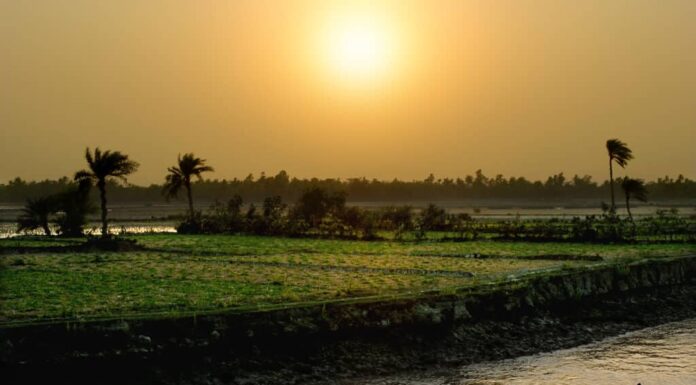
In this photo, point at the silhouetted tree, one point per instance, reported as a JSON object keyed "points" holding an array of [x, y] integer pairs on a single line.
{"points": [[399, 219], [633, 188], [36, 214], [180, 176], [363, 190], [316, 203], [74, 205], [271, 221], [433, 218], [621, 154], [102, 166]]}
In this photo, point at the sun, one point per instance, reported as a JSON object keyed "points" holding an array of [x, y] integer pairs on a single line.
{"points": [[359, 49]]}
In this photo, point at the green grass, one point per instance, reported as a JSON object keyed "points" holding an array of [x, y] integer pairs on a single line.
{"points": [[207, 273], [254, 246]]}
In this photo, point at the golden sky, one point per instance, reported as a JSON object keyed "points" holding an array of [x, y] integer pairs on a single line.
{"points": [[326, 88]]}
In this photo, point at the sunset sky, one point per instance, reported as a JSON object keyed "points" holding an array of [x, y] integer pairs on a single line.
{"points": [[323, 88]]}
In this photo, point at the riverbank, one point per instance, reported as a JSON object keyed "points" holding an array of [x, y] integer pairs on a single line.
{"points": [[661, 354], [356, 338]]}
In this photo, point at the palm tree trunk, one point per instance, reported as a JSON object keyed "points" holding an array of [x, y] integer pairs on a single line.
{"points": [[190, 199], [628, 208], [101, 184], [611, 185], [630, 216], [46, 229]]}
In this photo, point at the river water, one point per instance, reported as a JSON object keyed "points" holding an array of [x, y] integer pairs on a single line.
{"points": [[662, 355]]}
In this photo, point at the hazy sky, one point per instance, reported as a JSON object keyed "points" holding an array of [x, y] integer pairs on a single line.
{"points": [[515, 87]]}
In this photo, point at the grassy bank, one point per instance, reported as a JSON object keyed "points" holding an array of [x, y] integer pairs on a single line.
{"points": [[205, 273]]}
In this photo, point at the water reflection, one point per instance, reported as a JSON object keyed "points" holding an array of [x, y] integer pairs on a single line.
{"points": [[663, 355], [8, 230]]}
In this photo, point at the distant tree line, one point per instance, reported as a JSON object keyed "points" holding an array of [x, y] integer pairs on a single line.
{"points": [[320, 207], [255, 189]]}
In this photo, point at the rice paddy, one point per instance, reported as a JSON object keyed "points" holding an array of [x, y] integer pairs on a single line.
{"points": [[187, 274]]}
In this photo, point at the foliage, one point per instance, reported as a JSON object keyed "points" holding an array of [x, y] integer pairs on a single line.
{"points": [[316, 203], [67, 209], [331, 218], [36, 214], [397, 219], [634, 189], [557, 187], [104, 166], [433, 218], [179, 176], [619, 152], [74, 205]]}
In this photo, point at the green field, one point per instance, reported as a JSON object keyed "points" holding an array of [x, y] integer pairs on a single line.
{"points": [[185, 274]]}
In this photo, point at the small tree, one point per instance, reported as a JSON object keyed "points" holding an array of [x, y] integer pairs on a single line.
{"points": [[399, 219], [74, 205], [316, 203], [179, 176], [620, 153], [633, 188], [36, 214], [433, 218], [102, 166], [234, 210], [271, 221]]}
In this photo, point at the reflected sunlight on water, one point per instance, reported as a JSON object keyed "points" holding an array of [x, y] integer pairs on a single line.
{"points": [[662, 355]]}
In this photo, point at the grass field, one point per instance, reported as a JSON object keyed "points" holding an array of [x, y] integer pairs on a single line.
{"points": [[178, 274]]}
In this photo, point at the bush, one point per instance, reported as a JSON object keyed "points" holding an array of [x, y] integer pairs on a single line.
{"points": [[433, 218], [191, 224]]}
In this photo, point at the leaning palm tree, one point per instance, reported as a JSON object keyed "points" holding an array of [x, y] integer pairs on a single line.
{"points": [[102, 167], [633, 188], [36, 213], [621, 154], [180, 176]]}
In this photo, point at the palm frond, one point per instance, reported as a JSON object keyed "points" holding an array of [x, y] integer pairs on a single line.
{"points": [[35, 213], [104, 164], [619, 152], [173, 183], [83, 175], [189, 165], [634, 188]]}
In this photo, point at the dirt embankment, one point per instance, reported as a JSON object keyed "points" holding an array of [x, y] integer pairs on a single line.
{"points": [[329, 342]]}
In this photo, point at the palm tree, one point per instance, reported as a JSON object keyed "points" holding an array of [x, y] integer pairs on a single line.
{"points": [[102, 166], [180, 176], [633, 188], [35, 214], [621, 154]]}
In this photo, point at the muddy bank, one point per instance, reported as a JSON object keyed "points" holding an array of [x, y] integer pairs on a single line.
{"points": [[342, 341]]}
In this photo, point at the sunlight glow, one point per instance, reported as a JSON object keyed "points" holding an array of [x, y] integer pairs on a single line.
{"points": [[360, 49]]}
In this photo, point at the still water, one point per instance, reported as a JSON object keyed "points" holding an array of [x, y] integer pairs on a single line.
{"points": [[9, 230], [662, 355]]}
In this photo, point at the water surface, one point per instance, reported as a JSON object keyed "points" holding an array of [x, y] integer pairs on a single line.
{"points": [[662, 355]]}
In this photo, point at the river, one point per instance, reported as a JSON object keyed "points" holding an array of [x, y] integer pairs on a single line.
{"points": [[662, 355]]}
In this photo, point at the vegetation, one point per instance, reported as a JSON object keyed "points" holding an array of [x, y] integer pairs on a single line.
{"points": [[186, 273], [67, 209], [180, 176], [633, 188], [321, 214], [437, 250], [555, 188], [36, 213], [103, 166], [620, 154]]}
